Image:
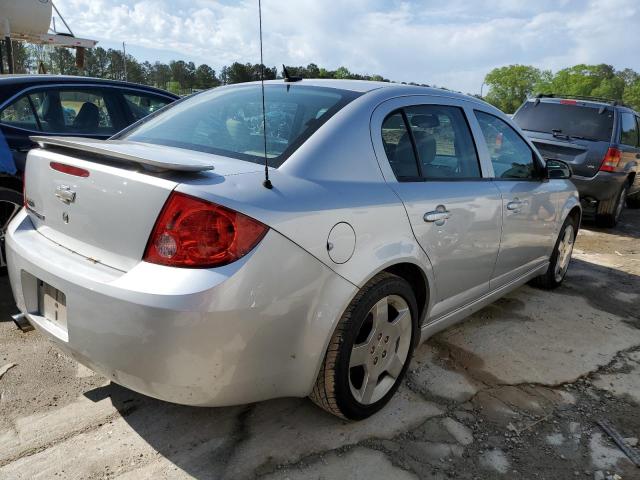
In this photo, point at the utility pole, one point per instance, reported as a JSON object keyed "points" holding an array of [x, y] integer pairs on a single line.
{"points": [[124, 60]]}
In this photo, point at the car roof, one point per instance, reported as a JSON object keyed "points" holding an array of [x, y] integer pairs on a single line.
{"points": [[14, 81], [365, 86]]}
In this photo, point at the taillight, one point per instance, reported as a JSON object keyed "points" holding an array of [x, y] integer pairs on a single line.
{"points": [[611, 160], [69, 169], [194, 233]]}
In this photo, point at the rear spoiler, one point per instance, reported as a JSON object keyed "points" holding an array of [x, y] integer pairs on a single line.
{"points": [[156, 158]]}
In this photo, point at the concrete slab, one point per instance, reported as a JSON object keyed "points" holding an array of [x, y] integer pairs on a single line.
{"points": [[283, 431], [621, 384], [429, 376], [358, 464], [550, 340]]}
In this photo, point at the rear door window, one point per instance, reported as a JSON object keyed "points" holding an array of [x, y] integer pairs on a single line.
{"points": [[19, 114], [79, 111], [443, 142], [628, 129], [571, 118], [398, 147]]}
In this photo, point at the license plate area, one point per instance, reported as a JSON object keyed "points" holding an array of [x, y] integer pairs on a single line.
{"points": [[52, 305]]}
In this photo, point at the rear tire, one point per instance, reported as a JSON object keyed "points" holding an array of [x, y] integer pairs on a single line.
{"points": [[10, 205], [560, 258], [609, 211], [370, 350]]}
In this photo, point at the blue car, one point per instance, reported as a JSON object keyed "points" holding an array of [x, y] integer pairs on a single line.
{"points": [[56, 105]]}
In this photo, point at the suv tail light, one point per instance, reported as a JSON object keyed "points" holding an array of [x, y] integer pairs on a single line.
{"points": [[194, 233], [611, 160]]}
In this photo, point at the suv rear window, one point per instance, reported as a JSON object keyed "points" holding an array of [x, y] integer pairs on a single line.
{"points": [[228, 121], [573, 120]]}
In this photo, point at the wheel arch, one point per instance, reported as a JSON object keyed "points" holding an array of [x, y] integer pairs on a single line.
{"points": [[12, 182], [576, 214], [417, 280]]}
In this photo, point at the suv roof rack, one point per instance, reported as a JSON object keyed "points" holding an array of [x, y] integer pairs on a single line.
{"points": [[610, 101]]}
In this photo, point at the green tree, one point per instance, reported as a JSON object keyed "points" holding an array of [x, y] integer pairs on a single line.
{"points": [[632, 95], [135, 71], [588, 80], [205, 77], [62, 61], [22, 60], [509, 86]]}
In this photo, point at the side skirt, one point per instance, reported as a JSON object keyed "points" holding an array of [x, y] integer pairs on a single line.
{"points": [[456, 316]]}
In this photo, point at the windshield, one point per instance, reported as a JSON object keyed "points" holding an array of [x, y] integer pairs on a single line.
{"points": [[228, 121], [572, 120]]}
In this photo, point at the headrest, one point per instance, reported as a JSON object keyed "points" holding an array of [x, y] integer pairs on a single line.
{"points": [[425, 121]]}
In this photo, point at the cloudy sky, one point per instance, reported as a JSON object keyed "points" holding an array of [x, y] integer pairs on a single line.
{"points": [[450, 43]]}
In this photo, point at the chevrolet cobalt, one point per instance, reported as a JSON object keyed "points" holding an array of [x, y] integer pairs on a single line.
{"points": [[163, 259]]}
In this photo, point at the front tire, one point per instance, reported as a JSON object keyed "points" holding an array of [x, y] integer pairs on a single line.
{"points": [[560, 258], [10, 205], [370, 350]]}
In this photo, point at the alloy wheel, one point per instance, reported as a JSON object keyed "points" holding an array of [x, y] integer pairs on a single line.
{"points": [[380, 350], [565, 249]]}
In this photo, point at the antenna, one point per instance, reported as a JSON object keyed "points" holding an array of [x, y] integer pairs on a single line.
{"points": [[267, 182], [288, 78]]}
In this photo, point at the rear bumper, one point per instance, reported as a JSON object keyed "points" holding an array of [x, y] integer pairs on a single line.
{"points": [[602, 186], [246, 332]]}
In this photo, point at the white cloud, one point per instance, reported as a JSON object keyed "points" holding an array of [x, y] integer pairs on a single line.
{"points": [[451, 44]]}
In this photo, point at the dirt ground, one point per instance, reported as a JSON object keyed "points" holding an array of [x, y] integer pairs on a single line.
{"points": [[514, 392]]}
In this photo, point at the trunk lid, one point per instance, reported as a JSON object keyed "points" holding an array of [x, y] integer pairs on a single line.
{"points": [[107, 210]]}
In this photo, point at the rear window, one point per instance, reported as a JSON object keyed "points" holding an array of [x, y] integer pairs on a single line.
{"points": [[573, 120], [228, 121]]}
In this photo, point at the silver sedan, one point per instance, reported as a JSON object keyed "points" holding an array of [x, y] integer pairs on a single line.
{"points": [[163, 260]]}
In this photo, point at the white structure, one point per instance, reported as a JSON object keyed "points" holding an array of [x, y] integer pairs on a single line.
{"points": [[30, 21]]}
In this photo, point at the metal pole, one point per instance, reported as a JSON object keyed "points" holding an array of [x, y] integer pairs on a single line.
{"points": [[9, 55], [124, 60], [1, 60], [481, 87], [61, 18]]}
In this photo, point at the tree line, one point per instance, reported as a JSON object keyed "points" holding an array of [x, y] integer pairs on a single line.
{"points": [[508, 86], [511, 85], [177, 76]]}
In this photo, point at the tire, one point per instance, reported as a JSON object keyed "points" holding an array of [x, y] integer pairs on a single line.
{"points": [[384, 350], [634, 201], [10, 205], [609, 211], [560, 258]]}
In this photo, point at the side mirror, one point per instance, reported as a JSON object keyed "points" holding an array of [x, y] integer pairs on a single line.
{"points": [[557, 170]]}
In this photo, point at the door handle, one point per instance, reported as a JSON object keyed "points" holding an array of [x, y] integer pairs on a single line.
{"points": [[514, 205], [438, 216]]}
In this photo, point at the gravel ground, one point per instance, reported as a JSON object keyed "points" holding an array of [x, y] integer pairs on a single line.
{"points": [[514, 392]]}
